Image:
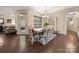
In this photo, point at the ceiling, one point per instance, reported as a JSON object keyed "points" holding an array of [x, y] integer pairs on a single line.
{"points": [[49, 9], [11, 10], [6, 10]]}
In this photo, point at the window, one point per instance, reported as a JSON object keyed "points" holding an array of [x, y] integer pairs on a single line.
{"points": [[37, 22], [1, 20]]}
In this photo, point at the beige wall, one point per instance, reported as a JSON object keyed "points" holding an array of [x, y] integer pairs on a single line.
{"points": [[9, 24], [61, 19], [5, 20]]}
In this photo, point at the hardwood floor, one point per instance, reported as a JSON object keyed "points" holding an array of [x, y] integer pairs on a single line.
{"points": [[60, 44]]}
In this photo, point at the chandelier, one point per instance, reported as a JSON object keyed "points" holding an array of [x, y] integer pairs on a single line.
{"points": [[45, 15]]}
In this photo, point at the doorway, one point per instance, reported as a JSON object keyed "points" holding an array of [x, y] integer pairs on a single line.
{"points": [[72, 18]]}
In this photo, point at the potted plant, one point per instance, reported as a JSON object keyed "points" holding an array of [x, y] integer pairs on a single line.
{"points": [[46, 24]]}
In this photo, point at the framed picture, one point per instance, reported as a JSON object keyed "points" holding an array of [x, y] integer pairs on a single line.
{"points": [[1, 20], [9, 20]]}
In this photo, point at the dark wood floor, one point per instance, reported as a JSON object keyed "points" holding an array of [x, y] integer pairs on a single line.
{"points": [[60, 44]]}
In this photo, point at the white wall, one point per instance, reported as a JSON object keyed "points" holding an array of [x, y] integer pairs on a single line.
{"points": [[61, 19], [61, 16], [2, 16], [10, 12], [61, 22]]}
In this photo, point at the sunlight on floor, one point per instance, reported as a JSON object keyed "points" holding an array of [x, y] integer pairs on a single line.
{"points": [[1, 41], [22, 43], [70, 47]]}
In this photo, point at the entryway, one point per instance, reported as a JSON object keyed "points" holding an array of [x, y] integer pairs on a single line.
{"points": [[72, 21]]}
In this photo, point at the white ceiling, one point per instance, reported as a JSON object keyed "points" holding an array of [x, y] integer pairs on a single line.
{"points": [[11, 10], [6, 10], [49, 9]]}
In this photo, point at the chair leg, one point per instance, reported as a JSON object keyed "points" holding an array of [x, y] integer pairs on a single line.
{"points": [[32, 41]]}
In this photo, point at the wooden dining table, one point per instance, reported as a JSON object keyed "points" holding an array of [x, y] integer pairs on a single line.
{"points": [[38, 32]]}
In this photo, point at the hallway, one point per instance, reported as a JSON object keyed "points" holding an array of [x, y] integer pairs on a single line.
{"points": [[60, 44]]}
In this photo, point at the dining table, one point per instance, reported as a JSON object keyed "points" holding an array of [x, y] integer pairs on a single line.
{"points": [[38, 32]]}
